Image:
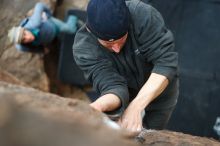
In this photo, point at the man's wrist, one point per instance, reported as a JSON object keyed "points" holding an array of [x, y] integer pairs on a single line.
{"points": [[140, 104]]}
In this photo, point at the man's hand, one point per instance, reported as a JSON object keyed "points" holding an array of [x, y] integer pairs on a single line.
{"points": [[132, 118], [96, 106], [107, 102]]}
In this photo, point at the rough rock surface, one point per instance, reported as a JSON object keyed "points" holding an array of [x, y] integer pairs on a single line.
{"points": [[37, 118], [9, 78], [168, 138]]}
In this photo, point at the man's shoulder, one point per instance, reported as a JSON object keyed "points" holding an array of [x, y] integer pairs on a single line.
{"points": [[84, 42], [134, 5], [83, 37]]}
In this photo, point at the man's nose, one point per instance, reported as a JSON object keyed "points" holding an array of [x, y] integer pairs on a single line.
{"points": [[116, 47]]}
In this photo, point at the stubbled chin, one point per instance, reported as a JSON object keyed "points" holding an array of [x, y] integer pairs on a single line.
{"points": [[118, 51]]}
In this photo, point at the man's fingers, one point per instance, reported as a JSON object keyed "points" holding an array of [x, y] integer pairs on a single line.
{"points": [[124, 123], [132, 123], [139, 128], [134, 127]]}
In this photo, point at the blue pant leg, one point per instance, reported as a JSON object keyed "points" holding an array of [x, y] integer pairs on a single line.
{"points": [[65, 27]]}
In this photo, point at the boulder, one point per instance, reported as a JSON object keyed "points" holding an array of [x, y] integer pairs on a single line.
{"points": [[32, 117], [169, 138]]}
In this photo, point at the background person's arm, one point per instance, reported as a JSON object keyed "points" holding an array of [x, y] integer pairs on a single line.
{"points": [[36, 19]]}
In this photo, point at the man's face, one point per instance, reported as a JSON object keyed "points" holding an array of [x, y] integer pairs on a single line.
{"points": [[27, 37], [114, 46]]}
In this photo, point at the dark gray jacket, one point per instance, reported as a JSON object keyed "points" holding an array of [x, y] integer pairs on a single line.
{"points": [[149, 48]]}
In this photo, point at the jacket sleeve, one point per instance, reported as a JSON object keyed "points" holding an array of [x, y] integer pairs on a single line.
{"points": [[36, 19], [99, 71], [156, 41]]}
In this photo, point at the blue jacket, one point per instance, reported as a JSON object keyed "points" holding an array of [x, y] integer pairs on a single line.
{"points": [[42, 23]]}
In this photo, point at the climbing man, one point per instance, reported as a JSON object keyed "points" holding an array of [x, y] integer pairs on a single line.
{"points": [[128, 55]]}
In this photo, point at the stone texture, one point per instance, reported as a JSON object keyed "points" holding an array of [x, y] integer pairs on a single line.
{"points": [[36, 118], [32, 117], [168, 138], [7, 77]]}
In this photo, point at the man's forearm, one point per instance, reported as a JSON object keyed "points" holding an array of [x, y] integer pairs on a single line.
{"points": [[132, 118], [107, 102], [154, 86]]}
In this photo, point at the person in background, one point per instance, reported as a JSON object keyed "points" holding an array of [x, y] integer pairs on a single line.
{"points": [[128, 54], [40, 29]]}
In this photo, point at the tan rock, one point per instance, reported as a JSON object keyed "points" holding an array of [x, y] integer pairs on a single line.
{"points": [[7, 77], [168, 138], [32, 117]]}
